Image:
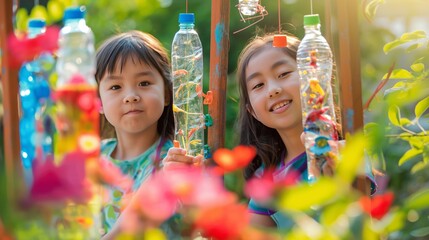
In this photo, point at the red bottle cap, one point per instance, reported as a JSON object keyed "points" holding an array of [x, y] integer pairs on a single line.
{"points": [[280, 41]]}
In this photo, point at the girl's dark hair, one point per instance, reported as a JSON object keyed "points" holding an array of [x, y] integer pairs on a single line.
{"points": [[266, 140], [142, 47]]}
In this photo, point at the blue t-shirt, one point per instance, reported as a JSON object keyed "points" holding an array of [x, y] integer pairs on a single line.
{"points": [[298, 165], [138, 169]]}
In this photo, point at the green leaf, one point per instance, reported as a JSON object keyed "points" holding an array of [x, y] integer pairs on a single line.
{"points": [[371, 8], [421, 107], [21, 19], [418, 67], [419, 34], [408, 155], [303, 196], [419, 166], [396, 222], [55, 10], [420, 233], [351, 158], [391, 45], [405, 122], [40, 11], [419, 200], [331, 213], [401, 74], [394, 115], [413, 47]]}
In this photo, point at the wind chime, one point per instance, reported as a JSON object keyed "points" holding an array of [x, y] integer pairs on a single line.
{"points": [[250, 10]]}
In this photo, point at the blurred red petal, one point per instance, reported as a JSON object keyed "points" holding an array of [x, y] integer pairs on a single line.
{"points": [[25, 49], [244, 155], [225, 159], [222, 222], [378, 206]]}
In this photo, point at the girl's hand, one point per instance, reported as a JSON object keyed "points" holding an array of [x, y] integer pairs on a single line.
{"points": [[177, 158]]}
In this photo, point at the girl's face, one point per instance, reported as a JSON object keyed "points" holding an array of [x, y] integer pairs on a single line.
{"points": [[133, 99], [273, 86]]}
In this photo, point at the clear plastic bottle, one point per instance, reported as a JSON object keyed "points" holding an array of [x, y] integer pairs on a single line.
{"points": [[248, 7], [314, 60], [77, 118], [187, 68]]}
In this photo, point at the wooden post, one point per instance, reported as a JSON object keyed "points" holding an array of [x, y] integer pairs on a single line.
{"points": [[219, 48], [347, 57], [348, 63], [9, 79]]}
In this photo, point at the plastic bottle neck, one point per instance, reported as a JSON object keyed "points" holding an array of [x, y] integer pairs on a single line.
{"points": [[312, 28], [75, 21], [34, 32], [186, 26]]}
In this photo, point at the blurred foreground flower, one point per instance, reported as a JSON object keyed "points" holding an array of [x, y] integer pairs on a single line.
{"points": [[58, 184], [378, 206], [223, 221], [231, 160], [265, 188], [26, 49]]}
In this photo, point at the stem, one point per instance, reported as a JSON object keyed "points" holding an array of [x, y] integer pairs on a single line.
{"points": [[379, 87]]}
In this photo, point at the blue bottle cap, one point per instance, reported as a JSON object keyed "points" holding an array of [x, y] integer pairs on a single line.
{"points": [[74, 13], [36, 23], [186, 18]]}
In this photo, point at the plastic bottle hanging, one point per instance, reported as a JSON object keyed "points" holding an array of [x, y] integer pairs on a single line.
{"points": [[29, 78], [187, 68], [248, 7], [314, 60]]}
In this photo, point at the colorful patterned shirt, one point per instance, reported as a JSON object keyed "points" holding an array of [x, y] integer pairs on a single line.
{"points": [[138, 169]]}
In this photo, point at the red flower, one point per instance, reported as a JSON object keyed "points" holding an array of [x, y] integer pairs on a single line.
{"points": [[378, 206], [222, 221], [231, 160], [26, 49]]}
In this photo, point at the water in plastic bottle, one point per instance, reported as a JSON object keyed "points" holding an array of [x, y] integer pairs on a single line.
{"points": [[314, 60], [187, 68], [76, 91]]}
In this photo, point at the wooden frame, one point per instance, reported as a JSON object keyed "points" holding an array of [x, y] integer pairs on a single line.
{"points": [[9, 80]]}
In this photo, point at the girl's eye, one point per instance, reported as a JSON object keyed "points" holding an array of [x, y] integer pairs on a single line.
{"points": [[144, 83], [115, 87], [283, 75], [258, 86]]}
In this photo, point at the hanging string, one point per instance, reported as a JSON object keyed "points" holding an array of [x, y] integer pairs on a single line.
{"points": [[36, 2], [278, 6], [186, 6], [311, 6]]}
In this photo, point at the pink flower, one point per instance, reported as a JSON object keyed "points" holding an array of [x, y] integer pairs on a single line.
{"points": [[154, 199], [105, 172], [264, 189], [61, 183], [26, 49]]}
